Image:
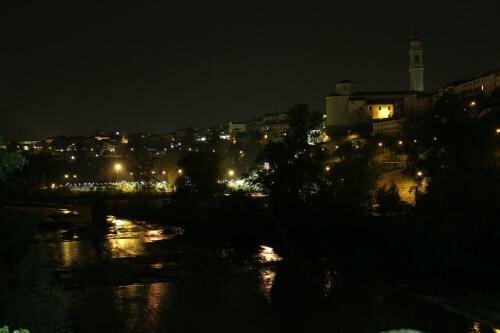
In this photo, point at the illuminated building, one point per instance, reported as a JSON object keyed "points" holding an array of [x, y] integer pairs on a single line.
{"points": [[486, 84], [236, 128], [390, 127], [348, 109]]}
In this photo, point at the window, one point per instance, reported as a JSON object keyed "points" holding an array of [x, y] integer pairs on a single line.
{"points": [[380, 108], [389, 107], [417, 58]]}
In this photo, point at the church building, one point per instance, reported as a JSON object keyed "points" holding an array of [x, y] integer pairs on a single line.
{"points": [[348, 109]]}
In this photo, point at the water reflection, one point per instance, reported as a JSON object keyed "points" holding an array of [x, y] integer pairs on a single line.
{"points": [[66, 211], [123, 238], [330, 281], [127, 238], [71, 253], [156, 265], [475, 328], [140, 305], [266, 254], [267, 277]]}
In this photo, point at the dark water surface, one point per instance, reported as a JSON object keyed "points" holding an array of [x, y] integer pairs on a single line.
{"points": [[132, 276]]}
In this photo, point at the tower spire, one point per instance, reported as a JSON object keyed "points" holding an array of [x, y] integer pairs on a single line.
{"points": [[416, 65]]}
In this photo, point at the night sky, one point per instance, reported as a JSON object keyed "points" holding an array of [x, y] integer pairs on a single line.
{"points": [[76, 67]]}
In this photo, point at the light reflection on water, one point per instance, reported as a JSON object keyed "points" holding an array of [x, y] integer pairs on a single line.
{"points": [[475, 328], [74, 252], [128, 238], [267, 277], [332, 280], [140, 301], [66, 211], [266, 254], [122, 239]]}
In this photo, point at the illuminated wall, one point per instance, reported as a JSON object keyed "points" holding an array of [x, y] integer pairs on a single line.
{"points": [[381, 111]]}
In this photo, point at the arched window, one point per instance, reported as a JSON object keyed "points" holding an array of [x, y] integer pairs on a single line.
{"points": [[417, 59]]}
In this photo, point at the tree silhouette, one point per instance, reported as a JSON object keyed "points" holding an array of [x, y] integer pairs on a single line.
{"points": [[291, 171]]}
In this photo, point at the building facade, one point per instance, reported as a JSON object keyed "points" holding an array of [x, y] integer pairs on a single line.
{"points": [[348, 109]]}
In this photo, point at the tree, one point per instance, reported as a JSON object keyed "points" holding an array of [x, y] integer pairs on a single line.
{"points": [[451, 152], [9, 163], [388, 201], [350, 182], [200, 174], [291, 171], [451, 148]]}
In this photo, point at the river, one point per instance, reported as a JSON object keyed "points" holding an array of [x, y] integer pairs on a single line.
{"points": [[134, 276]]}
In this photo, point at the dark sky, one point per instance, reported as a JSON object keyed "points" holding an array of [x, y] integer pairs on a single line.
{"points": [[74, 67]]}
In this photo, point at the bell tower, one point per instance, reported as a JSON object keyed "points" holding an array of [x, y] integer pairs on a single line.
{"points": [[416, 66]]}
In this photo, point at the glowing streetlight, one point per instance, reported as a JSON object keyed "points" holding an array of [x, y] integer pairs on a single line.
{"points": [[498, 130], [327, 168], [380, 144], [163, 172], [230, 172], [419, 173], [180, 171], [400, 142], [66, 176]]}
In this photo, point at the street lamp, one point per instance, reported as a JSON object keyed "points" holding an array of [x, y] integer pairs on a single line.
{"points": [[230, 172], [118, 168]]}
